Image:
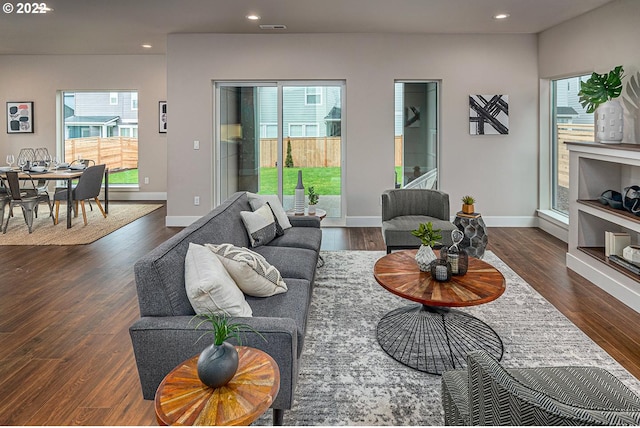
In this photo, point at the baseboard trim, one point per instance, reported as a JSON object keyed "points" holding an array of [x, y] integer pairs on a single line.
{"points": [[180, 221], [129, 195]]}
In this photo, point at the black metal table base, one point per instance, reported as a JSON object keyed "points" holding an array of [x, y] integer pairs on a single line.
{"points": [[433, 339]]}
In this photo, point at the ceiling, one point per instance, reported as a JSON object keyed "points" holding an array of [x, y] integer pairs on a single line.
{"points": [[123, 26]]}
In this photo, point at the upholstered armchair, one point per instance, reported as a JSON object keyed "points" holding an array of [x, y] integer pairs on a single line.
{"points": [[404, 209], [485, 393]]}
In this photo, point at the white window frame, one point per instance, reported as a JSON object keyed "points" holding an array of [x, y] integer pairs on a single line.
{"points": [[134, 101], [113, 98], [304, 127], [317, 93]]}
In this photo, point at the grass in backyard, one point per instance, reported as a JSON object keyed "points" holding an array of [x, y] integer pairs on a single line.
{"points": [[325, 181], [127, 176]]}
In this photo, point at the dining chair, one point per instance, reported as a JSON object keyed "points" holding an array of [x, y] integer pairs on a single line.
{"points": [[27, 201], [88, 187], [4, 200]]}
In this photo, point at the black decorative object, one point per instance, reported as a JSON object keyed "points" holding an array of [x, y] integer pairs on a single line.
{"points": [[440, 270], [456, 256], [217, 364]]}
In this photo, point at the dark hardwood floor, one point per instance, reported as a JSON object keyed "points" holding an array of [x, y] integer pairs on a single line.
{"points": [[66, 357]]}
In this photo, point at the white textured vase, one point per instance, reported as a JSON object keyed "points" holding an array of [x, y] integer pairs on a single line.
{"points": [[298, 205], [424, 257], [609, 120]]}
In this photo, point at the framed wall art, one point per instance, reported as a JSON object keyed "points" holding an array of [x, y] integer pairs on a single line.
{"points": [[20, 117], [488, 114], [162, 118]]}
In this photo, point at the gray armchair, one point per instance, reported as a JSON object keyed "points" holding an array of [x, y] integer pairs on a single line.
{"points": [[404, 209], [487, 394]]}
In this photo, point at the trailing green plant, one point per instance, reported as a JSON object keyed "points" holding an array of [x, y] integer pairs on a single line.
{"points": [[313, 196], [222, 328], [600, 88], [468, 200], [427, 234], [288, 162]]}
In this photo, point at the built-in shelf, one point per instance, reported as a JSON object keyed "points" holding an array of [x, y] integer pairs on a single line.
{"points": [[593, 169]]}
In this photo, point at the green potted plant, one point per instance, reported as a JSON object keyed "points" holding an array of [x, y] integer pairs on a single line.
{"points": [[313, 200], [429, 237], [599, 92], [467, 204], [218, 362]]}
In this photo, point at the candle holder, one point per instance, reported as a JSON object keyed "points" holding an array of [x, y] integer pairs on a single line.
{"points": [[456, 256], [441, 270]]}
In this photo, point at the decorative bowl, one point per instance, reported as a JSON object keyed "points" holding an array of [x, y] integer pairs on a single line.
{"points": [[38, 168]]}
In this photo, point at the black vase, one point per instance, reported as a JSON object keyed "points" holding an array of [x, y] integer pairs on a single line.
{"points": [[217, 364]]}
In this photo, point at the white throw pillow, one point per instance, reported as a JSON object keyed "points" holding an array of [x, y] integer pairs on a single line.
{"points": [[260, 225], [256, 201], [250, 270], [209, 286]]}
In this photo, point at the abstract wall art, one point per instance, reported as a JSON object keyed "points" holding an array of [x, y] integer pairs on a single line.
{"points": [[20, 117], [162, 118], [488, 114]]}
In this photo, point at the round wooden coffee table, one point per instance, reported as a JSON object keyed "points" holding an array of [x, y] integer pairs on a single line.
{"points": [[182, 399], [430, 336]]}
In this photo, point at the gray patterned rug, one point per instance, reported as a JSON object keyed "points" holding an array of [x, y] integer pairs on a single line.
{"points": [[346, 379]]}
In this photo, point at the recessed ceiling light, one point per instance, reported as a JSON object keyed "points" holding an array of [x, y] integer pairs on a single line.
{"points": [[501, 16], [253, 17], [147, 46]]}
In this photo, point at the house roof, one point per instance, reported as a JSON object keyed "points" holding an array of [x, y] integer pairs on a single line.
{"points": [[566, 111]]}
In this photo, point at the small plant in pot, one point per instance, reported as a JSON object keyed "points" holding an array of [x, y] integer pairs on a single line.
{"points": [[313, 200], [218, 363], [467, 204], [599, 93], [429, 237]]}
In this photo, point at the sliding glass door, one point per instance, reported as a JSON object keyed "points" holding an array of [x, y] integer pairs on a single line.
{"points": [[268, 131]]}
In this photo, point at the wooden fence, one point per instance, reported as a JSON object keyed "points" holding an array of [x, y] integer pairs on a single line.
{"points": [[569, 132], [306, 152], [116, 152]]}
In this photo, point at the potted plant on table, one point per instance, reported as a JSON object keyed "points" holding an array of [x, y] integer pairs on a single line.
{"points": [[599, 93], [429, 237], [218, 362], [313, 200], [467, 204]]}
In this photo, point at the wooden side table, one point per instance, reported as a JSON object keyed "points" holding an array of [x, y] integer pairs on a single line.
{"points": [[319, 213], [182, 399], [476, 237]]}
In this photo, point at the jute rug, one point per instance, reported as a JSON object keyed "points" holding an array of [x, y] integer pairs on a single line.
{"points": [[44, 232], [346, 379]]}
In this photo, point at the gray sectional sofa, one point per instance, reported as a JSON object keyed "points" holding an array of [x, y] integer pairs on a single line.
{"points": [[164, 336]]}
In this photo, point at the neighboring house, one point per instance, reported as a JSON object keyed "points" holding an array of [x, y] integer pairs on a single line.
{"points": [[101, 114], [309, 111], [567, 97]]}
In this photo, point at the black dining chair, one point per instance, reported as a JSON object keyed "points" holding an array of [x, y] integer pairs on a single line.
{"points": [[88, 187], [27, 201]]}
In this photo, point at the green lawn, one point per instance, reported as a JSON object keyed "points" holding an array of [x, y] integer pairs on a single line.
{"points": [[129, 176], [325, 181]]}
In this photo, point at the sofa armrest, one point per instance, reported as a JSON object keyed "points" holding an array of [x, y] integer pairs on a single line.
{"points": [[304, 221], [161, 343]]}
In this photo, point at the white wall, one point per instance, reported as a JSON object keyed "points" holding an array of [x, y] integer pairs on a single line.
{"points": [[500, 171], [596, 41], [37, 78]]}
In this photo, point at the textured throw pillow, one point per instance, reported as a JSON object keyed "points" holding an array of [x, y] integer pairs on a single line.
{"points": [[250, 270], [209, 286], [260, 225], [256, 201]]}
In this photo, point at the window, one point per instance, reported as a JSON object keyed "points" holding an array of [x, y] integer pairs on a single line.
{"points": [[97, 126], [303, 130], [570, 122], [312, 96]]}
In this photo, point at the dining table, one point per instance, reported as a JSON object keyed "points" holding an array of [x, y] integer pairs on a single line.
{"points": [[67, 175]]}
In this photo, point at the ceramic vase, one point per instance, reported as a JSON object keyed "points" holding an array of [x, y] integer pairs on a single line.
{"points": [[312, 209], [217, 364], [609, 120], [424, 257], [299, 196]]}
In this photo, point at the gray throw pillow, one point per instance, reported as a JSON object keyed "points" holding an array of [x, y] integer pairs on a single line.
{"points": [[256, 201], [260, 225]]}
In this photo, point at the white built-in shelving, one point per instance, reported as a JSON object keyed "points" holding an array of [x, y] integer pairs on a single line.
{"points": [[593, 169]]}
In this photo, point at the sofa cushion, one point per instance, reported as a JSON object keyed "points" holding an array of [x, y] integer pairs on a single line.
{"points": [[300, 237], [292, 304], [256, 201], [209, 287], [251, 272], [397, 231], [260, 225], [291, 262]]}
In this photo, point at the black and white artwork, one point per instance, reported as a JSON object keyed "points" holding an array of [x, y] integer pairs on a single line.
{"points": [[20, 117], [162, 117], [488, 114]]}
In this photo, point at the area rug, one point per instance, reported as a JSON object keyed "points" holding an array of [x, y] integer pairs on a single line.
{"points": [[44, 232], [346, 379]]}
